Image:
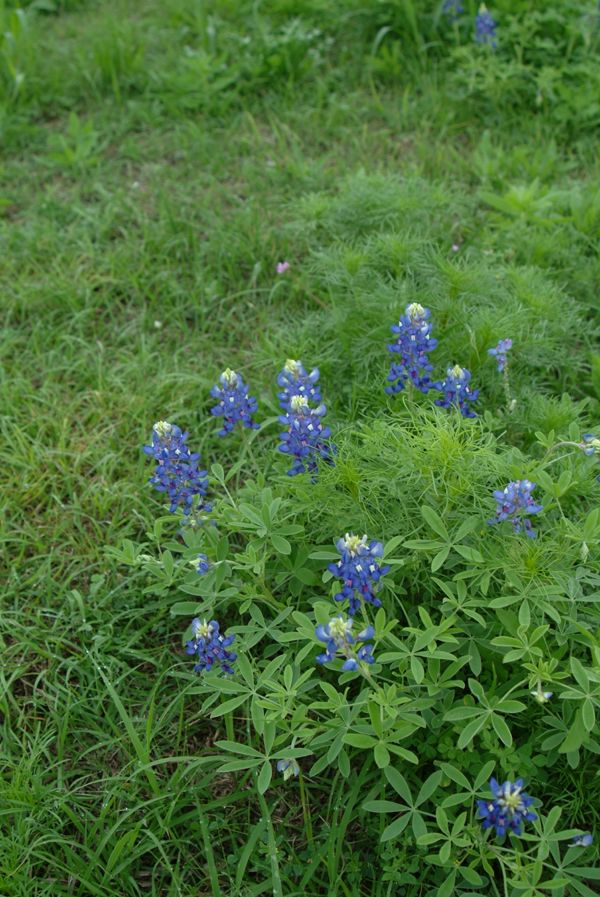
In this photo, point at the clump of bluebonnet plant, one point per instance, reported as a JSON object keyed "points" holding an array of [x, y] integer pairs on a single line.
{"points": [[338, 638], [485, 28], [514, 503], [456, 391], [235, 405], [289, 768], [306, 438], [177, 473], [360, 571], [201, 564], [210, 647], [509, 808], [294, 380], [413, 345]]}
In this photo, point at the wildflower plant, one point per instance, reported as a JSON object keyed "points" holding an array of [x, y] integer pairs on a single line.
{"points": [[514, 503], [305, 438], [360, 570], [294, 380], [456, 391], [177, 474], [485, 28], [209, 647], [508, 810], [339, 641]]}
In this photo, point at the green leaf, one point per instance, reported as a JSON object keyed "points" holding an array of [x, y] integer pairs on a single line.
{"points": [[381, 755], [399, 784], [502, 730], [280, 544], [383, 806], [470, 731], [440, 559], [231, 704], [396, 827], [435, 522], [264, 777]]}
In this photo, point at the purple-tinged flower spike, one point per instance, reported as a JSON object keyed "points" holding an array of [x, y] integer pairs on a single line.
{"points": [[457, 391], [201, 564], [509, 808], [514, 503], [360, 571], [295, 381], [583, 840], [485, 28], [235, 405], [305, 439], [289, 768], [338, 639], [177, 472], [499, 352], [210, 647], [413, 344], [282, 267], [453, 9]]}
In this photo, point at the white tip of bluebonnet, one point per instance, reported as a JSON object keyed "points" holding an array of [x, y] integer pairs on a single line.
{"points": [[162, 428]]}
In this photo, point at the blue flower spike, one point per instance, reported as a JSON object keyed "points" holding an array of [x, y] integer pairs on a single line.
{"points": [[513, 503], [413, 345], [210, 647], [338, 639], [359, 569], [306, 438], [294, 380], [591, 444], [177, 473], [485, 28], [456, 391], [500, 353], [235, 404], [289, 768], [508, 810]]}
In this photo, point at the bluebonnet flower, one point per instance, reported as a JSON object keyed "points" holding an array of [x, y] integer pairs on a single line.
{"points": [[499, 353], [177, 473], [509, 808], [295, 381], [485, 28], [210, 647], [201, 564], [452, 8], [306, 438], [583, 840], [413, 344], [234, 403], [359, 569], [338, 639], [513, 503], [289, 768], [457, 391], [591, 444]]}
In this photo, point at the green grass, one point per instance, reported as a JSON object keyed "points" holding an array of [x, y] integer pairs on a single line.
{"points": [[159, 159]]}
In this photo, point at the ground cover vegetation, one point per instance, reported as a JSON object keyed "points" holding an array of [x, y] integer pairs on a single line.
{"points": [[335, 266]]}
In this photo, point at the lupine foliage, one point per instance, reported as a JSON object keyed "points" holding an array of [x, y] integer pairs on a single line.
{"points": [[192, 186]]}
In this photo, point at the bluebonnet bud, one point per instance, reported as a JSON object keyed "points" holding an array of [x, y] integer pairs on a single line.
{"points": [[591, 444], [295, 381], [499, 352], [542, 697], [457, 391], [306, 438], [485, 28], [509, 808], [338, 638], [452, 8], [234, 405], [514, 502], [177, 472], [210, 647], [201, 564], [413, 344], [583, 840], [289, 768], [359, 569]]}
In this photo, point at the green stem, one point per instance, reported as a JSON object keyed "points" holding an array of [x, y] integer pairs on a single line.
{"points": [[210, 857], [305, 810], [271, 846], [229, 726]]}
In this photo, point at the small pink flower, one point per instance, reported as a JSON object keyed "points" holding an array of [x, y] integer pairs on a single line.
{"points": [[282, 267], [455, 247]]}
